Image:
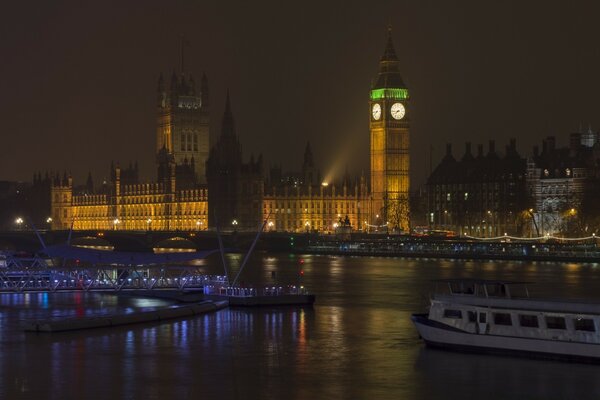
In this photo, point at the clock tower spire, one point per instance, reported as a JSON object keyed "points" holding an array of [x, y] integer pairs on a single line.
{"points": [[390, 140]]}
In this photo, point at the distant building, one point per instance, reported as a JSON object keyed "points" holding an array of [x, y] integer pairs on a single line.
{"points": [[178, 200], [190, 177], [182, 129], [481, 195], [558, 179], [235, 188], [302, 203]]}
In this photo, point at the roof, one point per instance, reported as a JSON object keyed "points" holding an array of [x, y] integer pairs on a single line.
{"points": [[483, 281]]}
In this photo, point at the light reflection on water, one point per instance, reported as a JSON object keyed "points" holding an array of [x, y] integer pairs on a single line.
{"points": [[357, 341]]}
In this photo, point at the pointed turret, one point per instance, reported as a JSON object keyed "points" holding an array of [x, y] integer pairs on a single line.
{"points": [[204, 91], [308, 166], [389, 73], [228, 129], [89, 184]]}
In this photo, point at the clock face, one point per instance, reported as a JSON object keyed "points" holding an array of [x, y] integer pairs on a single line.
{"points": [[398, 111], [376, 111]]}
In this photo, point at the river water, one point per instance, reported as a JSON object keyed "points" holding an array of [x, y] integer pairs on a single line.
{"points": [[357, 342]]}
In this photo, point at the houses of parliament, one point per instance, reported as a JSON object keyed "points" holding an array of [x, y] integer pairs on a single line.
{"points": [[201, 185]]}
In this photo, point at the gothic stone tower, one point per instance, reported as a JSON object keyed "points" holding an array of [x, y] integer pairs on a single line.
{"points": [[389, 125], [183, 122]]}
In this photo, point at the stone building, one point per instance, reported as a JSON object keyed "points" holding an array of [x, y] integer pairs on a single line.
{"points": [[558, 179], [302, 203], [235, 188], [182, 129], [190, 178], [481, 195]]}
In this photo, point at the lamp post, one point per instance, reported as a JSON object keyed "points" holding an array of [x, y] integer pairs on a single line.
{"points": [[234, 223], [116, 222], [19, 222], [307, 226], [271, 224], [149, 222]]}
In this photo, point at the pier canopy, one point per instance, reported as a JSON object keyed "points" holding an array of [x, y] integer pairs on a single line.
{"points": [[482, 287]]}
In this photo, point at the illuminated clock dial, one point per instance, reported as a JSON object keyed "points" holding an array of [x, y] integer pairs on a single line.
{"points": [[398, 111], [376, 111]]}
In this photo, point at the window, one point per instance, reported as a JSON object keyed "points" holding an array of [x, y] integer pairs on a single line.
{"points": [[472, 316], [502, 319], [528, 321], [482, 318], [555, 323], [182, 142], [584, 324], [452, 314]]}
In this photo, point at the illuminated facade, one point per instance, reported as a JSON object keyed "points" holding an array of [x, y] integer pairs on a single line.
{"points": [[301, 203], [390, 142], [146, 206], [190, 177], [182, 129]]}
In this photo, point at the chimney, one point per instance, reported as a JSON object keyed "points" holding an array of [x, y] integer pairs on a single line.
{"points": [[492, 147], [513, 144], [536, 151], [479, 150], [468, 148]]}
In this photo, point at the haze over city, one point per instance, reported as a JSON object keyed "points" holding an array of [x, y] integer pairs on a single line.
{"points": [[79, 79]]}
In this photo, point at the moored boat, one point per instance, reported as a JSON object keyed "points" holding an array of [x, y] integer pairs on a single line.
{"points": [[499, 317]]}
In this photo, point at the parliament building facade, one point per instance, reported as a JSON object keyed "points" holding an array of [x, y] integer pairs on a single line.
{"points": [[202, 185]]}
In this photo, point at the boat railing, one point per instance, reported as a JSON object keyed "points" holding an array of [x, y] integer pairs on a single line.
{"points": [[242, 291]]}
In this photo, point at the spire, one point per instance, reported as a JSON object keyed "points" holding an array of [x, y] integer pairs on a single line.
{"points": [[89, 184], [389, 72], [390, 53], [228, 128], [308, 156], [204, 92]]}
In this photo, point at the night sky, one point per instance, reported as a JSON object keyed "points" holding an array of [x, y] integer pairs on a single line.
{"points": [[78, 81]]}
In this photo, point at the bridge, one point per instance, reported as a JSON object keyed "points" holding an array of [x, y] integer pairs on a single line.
{"points": [[36, 274]]}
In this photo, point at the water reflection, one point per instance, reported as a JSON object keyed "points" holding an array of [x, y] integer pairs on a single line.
{"points": [[357, 341]]}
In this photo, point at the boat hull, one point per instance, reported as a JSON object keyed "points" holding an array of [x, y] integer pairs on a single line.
{"points": [[438, 335]]}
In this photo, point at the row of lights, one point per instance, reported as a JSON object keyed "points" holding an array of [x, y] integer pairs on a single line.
{"points": [[19, 221]]}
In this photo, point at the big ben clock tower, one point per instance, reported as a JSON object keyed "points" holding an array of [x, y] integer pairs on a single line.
{"points": [[389, 115]]}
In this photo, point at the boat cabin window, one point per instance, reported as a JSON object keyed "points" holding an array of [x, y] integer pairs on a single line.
{"points": [[482, 318], [462, 288], [555, 322], [496, 290], [472, 316], [584, 324], [502, 319], [448, 313], [528, 321]]}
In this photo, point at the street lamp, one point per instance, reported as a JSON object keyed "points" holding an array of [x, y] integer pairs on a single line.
{"points": [[19, 222], [307, 226], [199, 224], [49, 220], [271, 224], [116, 222], [149, 221]]}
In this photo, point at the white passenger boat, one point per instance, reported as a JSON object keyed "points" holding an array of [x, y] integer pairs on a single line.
{"points": [[500, 317]]}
